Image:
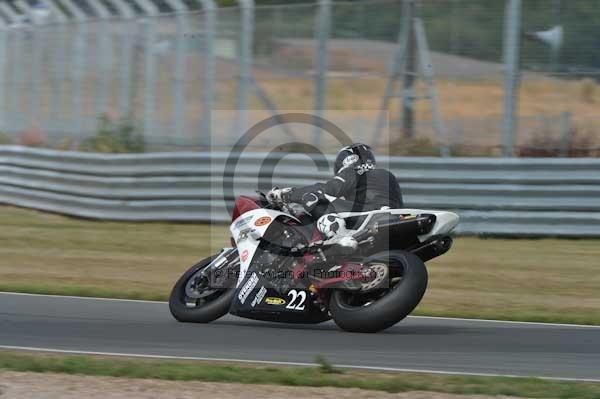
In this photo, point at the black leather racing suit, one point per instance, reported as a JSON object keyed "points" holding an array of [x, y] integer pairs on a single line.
{"points": [[355, 190]]}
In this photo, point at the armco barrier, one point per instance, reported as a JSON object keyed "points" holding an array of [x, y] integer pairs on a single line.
{"points": [[494, 196]]}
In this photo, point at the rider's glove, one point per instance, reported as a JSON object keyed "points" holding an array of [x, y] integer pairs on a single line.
{"points": [[279, 196], [312, 199]]}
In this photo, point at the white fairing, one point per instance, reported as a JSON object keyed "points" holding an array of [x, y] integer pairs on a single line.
{"points": [[444, 224], [246, 230], [445, 221]]}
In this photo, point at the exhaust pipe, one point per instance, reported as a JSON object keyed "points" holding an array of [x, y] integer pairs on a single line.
{"points": [[433, 248]]}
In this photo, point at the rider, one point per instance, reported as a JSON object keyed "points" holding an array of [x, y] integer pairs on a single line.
{"points": [[358, 186]]}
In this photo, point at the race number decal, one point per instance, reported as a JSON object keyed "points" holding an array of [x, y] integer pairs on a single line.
{"points": [[296, 295]]}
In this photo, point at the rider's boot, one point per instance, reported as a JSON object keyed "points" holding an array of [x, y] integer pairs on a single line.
{"points": [[341, 244], [339, 239]]}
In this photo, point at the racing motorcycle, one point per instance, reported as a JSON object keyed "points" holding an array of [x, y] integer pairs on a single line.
{"points": [[280, 268]]}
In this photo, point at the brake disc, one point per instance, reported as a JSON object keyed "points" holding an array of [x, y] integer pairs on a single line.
{"points": [[198, 286], [381, 272]]}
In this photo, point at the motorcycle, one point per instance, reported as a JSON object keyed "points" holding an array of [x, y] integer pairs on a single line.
{"points": [[280, 268]]}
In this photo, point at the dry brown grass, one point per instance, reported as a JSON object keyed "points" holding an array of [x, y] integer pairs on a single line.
{"points": [[459, 99], [476, 106], [543, 280], [50, 253]]}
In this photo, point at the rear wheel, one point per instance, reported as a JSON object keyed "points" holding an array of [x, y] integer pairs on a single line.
{"points": [[194, 300], [376, 310]]}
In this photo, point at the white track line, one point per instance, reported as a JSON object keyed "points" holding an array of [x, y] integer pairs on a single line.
{"points": [[533, 323], [248, 361], [91, 298]]}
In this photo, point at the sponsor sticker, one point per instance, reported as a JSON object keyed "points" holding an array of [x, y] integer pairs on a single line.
{"points": [[262, 221], [244, 255], [365, 167], [259, 297], [271, 300], [247, 288], [350, 159], [242, 222]]}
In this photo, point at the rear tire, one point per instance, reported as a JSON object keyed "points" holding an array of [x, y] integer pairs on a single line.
{"points": [[394, 306], [204, 313]]}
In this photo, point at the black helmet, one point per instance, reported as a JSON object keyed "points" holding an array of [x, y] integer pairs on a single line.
{"points": [[355, 155]]}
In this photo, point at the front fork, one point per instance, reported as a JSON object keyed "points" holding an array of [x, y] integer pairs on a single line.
{"points": [[216, 272], [226, 256]]}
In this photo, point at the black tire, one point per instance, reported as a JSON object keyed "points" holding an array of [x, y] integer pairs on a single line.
{"points": [[394, 306], [206, 312]]}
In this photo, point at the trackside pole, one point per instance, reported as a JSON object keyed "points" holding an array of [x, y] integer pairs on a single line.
{"points": [[412, 46], [427, 68], [180, 70], [3, 33], [396, 70], [78, 64], [208, 69], [322, 34], [103, 57], [58, 64], [148, 26], [126, 11], [245, 62], [512, 34], [13, 99], [35, 80]]}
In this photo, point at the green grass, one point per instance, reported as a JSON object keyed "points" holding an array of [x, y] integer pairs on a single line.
{"points": [[295, 376], [547, 280]]}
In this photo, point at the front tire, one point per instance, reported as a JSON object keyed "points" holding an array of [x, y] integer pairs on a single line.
{"points": [[355, 315], [215, 306]]}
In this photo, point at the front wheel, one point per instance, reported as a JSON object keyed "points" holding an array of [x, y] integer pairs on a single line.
{"points": [[193, 300], [380, 309]]}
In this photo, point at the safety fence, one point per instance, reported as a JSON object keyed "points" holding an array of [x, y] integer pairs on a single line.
{"points": [[513, 197], [512, 77]]}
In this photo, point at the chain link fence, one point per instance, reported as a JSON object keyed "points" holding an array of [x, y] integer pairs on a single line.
{"points": [[559, 91], [148, 82]]}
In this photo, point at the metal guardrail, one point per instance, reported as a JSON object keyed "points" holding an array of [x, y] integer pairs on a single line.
{"points": [[494, 196]]}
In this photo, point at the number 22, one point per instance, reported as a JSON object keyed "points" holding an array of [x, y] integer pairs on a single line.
{"points": [[296, 295]]}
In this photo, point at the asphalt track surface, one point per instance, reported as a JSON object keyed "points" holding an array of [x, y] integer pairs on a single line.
{"points": [[417, 343]]}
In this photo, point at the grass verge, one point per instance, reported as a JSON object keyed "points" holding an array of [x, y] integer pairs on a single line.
{"points": [[295, 376], [547, 280]]}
